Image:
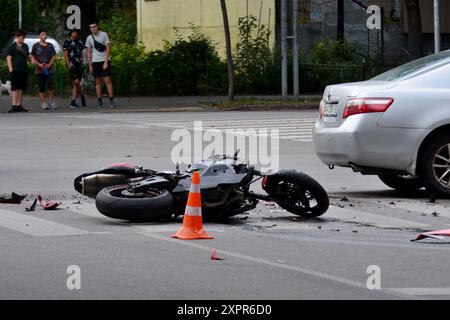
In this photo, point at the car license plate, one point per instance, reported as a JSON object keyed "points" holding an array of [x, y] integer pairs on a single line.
{"points": [[330, 110]]}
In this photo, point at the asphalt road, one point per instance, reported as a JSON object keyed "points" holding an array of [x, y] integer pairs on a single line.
{"points": [[268, 254]]}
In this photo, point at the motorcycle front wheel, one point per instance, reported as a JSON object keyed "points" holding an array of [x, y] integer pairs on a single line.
{"points": [[299, 194], [116, 202]]}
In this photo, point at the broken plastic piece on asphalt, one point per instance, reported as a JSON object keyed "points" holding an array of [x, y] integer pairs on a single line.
{"points": [[214, 256], [14, 199], [50, 205], [33, 206], [436, 234]]}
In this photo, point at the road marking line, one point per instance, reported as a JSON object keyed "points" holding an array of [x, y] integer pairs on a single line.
{"points": [[422, 291], [36, 226], [371, 218], [310, 272]]}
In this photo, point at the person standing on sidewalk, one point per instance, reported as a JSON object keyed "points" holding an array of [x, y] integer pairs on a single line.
{"points": [[17, 55], [44, 55], [99, 61], [73, 55]]}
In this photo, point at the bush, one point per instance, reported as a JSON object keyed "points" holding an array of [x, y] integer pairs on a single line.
{"points": [[185, 67], [257, 68], [333, 62]]}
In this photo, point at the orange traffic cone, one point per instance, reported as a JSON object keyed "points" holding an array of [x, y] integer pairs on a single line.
{"points": [[192, 227]]}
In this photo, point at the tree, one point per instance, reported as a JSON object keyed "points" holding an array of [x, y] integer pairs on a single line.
{"points": [[415, 37], [229, 54]]}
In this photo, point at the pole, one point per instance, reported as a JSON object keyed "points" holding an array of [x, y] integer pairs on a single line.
{"points": [[20, 14], [437, 26], [295, 52], [284, 50]]}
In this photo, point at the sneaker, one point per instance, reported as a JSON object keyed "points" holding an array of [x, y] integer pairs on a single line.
{"points": [[83, 101], [53, 106], [74, 105], [112, 104], [21, 109], [13, 109], [99, 104], [45, 106]]}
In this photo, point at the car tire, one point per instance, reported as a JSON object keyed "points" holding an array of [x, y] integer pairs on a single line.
{"points": [[406, 184], [434, 166]]}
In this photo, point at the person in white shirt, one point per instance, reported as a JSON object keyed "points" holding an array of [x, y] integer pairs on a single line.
{"points": [[99, 61]]}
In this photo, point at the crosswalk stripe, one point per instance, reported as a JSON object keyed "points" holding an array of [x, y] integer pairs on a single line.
{"points": [[422, 291], [36, 226], [371, 218], [414, 207], [244, 123]]}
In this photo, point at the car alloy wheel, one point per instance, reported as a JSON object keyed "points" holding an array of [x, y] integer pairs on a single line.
{"points": [[434, 166], [441, 166]]}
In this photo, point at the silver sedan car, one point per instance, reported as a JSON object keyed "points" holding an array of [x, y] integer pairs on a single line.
{"points": [[396, 126]]}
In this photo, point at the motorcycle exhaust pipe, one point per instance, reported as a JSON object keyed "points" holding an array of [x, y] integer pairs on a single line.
{"points": [[91, 185]]}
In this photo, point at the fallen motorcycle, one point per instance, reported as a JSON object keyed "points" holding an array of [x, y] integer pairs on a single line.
{"points": [[128, 192]]}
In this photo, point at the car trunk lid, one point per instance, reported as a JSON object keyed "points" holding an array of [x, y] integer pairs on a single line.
{"points": [[335, 98]]}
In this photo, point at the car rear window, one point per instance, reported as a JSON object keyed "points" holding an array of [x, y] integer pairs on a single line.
{"points": [[415, 66]]}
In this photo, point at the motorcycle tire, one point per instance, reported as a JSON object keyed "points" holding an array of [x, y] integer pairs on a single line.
{"points": [[154, 205], [299, 194]]}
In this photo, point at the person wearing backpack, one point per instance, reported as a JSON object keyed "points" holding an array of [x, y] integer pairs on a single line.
{"points": [[99, 61]]}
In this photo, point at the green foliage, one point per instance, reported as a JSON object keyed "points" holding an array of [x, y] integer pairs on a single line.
{"points": [[332, 62], [256, 66], [121, 27], [188, 66]]}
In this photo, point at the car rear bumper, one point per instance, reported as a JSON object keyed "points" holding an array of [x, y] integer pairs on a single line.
{"points": [[358, 141]]}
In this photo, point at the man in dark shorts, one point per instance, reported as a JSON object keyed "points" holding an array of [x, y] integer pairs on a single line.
{"points": [[98, 46], [73, 55], [17, 55], [44, 55]]}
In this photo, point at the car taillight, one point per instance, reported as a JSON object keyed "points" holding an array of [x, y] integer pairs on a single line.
{"points": [[366, 105]]}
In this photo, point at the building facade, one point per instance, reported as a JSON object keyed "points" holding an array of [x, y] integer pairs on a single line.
{"points": [[318, 19], [157, 19]]}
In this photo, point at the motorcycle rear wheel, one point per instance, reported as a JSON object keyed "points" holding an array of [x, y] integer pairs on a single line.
{"points": [[300, 194], [115, 202]]}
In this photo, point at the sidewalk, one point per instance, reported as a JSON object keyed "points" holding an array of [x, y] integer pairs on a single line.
{"points": [[135, 104]]}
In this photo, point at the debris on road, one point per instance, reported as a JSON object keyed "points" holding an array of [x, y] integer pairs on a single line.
{"points": [[33, 206], [435, 214], [344, 199], [437, 234], [50, 205], [14, 199], [214, 256]]}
